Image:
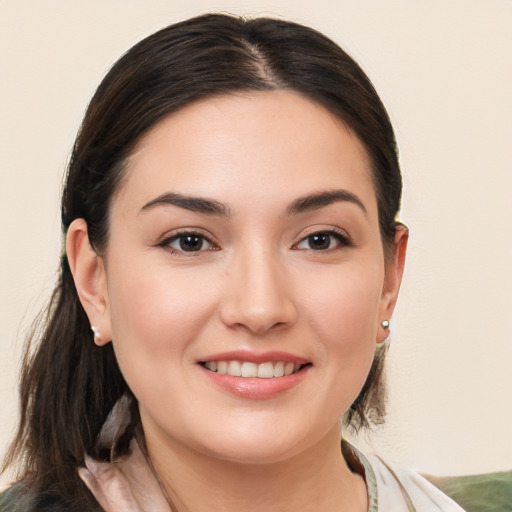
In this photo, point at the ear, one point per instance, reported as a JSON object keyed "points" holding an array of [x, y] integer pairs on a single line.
{"points": [[393, 279], [88, 271]]}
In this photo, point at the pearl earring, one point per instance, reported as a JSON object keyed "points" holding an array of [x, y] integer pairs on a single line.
{"points": [[96, 331], [385, 324]]}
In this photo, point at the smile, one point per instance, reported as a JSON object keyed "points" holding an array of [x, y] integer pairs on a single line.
{"points": [[248, 369]]}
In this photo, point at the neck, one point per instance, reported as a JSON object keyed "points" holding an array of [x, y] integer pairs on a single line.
{"points": [[317, 479]]}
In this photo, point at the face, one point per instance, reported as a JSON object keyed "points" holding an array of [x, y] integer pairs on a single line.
{"points": [[245, 239]]}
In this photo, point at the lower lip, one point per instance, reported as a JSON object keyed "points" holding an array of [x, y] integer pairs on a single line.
{"points": [[254, 388]]}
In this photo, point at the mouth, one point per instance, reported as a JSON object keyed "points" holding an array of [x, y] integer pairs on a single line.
{"points": [[248, 369], [256, 376]]}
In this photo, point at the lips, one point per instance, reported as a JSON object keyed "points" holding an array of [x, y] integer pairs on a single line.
{"points": [[255, 376]]}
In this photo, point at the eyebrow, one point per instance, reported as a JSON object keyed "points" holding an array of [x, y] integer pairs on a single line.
{"points": [[211, 207], [194, 204], [321, 199]]}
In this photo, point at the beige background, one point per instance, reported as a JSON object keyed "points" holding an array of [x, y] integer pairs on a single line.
{"points": [[443, 68]]}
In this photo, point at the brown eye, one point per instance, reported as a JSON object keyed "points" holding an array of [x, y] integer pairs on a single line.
{"points": [[319, 242], [188, 242], [322, 241]]}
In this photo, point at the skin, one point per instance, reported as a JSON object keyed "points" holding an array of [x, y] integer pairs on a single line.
{"points": [[259, 283]]}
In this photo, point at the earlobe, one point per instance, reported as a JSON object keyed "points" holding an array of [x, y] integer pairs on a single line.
{"points": [[88, 272], [393, 280]]}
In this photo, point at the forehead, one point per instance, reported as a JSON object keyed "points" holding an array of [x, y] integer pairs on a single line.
{"points": [[272, 144]]}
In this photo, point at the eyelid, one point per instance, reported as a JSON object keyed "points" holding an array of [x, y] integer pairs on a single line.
{"points": [[181, 231]]}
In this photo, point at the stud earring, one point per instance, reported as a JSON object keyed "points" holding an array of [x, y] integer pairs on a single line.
{"points": [[385, 324], [96, 331]]}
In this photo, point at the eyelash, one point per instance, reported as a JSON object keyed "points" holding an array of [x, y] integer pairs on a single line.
{"points": [[341, 239]]}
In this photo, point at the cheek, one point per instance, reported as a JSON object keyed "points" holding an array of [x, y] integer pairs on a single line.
{"points": [[154, 317], [342, 310], [155, 300], [344, 304]]}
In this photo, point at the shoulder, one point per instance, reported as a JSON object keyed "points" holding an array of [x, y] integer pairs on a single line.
{"points": [[416, 493], [15, 499], [392, 488], [19, 498]]}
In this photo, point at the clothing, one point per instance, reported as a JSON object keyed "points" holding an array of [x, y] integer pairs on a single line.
{"points": [[396, 489], [390, 489], [478, 493]]}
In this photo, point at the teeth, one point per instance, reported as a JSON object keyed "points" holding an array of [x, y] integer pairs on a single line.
{"points": [[211, 365], [246, 369], [249, 370], [266, 370], [279, 369], [234, 368]]}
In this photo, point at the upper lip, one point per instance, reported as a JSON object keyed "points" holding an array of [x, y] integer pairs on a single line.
{"points": [[272, 356]]}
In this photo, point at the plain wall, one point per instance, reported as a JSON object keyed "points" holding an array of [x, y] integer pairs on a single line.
{"points": [[444, 71]]}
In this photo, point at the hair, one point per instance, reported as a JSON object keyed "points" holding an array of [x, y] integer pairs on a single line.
{"points": [[68, 384]]}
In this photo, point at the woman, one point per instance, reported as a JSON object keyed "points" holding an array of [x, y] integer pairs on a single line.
{"points": [[232, 262]]}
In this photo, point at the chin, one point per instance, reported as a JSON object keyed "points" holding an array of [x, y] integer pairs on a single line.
{"points": [[258, 444], [252, 454]]}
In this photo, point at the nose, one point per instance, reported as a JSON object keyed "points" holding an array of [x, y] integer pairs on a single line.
{"points": [[258, 295]]}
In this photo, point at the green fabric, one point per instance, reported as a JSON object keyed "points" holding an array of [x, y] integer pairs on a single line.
{"points": [[490, 492]]}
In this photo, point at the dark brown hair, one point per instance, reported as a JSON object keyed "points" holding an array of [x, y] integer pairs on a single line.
{"points": [[69, 384]]}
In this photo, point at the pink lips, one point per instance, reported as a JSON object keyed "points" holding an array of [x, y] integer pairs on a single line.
{"points": [[254, 387], [257, 358]]}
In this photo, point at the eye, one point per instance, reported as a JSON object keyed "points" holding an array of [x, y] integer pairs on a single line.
{"points": [[323, 241], [188, 243]]}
